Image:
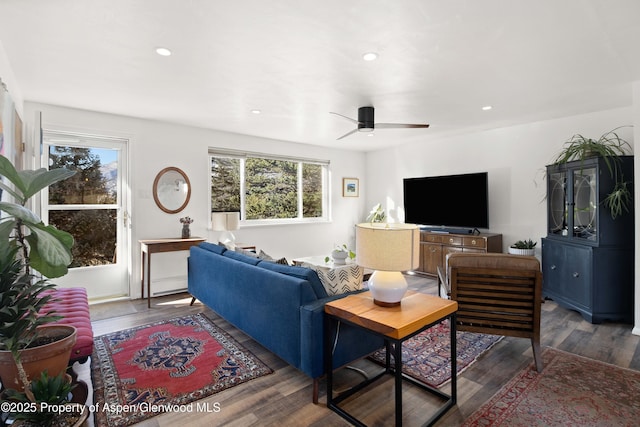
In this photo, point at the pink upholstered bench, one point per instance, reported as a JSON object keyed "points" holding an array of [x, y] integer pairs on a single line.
{"points": [[73, 304]]}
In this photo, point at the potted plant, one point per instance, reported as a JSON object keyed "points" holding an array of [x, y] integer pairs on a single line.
{"points": [[377, 214], [523, 247], [340, 254], [30, 246], [610, 147], [52, 405]]}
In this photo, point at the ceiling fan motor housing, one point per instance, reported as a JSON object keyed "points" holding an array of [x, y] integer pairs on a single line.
{"points": [[365, 119]]}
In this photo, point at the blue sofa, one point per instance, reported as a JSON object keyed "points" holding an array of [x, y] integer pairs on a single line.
{"points": [[279, 306]]}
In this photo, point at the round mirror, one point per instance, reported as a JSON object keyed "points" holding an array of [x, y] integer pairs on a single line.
{"points": [[171, 190]]}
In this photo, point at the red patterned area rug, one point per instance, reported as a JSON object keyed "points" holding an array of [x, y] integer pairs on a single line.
{"points": [[426, 356], [145, 371], [571, 391]]}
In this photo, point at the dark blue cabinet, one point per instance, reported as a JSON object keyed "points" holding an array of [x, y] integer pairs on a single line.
{"points": [[587, 256]]}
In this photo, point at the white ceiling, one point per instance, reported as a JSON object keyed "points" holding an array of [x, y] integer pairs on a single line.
{"points": [[439, 62]]}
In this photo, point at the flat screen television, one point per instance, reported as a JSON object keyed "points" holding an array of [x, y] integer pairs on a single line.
{"points": [[447, 202]]}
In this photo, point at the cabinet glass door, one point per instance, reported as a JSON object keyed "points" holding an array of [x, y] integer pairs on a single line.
{"points": [[584, 204], [558, 203]]}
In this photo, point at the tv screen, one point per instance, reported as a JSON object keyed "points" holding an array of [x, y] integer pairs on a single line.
{"points": [[447, 201]]}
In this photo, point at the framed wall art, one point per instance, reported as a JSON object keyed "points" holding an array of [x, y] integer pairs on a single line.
{"points": [[350, 187]]}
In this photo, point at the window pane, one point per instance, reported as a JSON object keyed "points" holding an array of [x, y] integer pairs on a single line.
{"points": [[94, 231], [225, 184], [311, 190], [271, 189], [95, 181]]}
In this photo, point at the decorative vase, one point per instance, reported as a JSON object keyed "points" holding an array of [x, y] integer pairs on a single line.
{"points": [[186, 231], [339, 257]]}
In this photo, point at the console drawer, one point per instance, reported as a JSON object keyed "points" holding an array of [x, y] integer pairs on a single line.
{"points": [[474, 242]]}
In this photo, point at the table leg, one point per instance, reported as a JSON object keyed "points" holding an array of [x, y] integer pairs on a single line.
{"points": [[454, 359], [397, 355], [149, 280], [329, 323], [142, 266]]}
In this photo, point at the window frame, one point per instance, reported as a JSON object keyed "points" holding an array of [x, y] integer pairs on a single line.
{"points": [[243, 155]]}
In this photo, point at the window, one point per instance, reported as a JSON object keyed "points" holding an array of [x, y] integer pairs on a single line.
{"points": [[269, 189]]}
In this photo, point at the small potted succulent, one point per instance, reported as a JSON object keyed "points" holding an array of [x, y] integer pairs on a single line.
{"points": [[52, 405], [523, 247]]}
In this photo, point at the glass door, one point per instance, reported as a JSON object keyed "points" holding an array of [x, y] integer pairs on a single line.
{"points": [[558, 203], [584, 203], [91, 206]]}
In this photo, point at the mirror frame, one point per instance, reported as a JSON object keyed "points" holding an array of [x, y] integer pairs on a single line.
{"points": [[155, 189]]}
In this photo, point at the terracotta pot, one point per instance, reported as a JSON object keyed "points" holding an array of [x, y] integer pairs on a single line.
{"points": [[54, 357]]}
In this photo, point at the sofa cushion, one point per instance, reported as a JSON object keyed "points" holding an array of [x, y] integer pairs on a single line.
{"points": [[300, 272], [341, 280], [241, 257], [212, 247]]}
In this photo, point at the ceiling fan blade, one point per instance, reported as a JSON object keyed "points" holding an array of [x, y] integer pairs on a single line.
{"points": [[348, 118], [399, 125], [347, 134]]}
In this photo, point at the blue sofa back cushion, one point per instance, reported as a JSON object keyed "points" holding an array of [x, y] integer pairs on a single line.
{"points": [[299, 272], [212, 247], [241, 257]]}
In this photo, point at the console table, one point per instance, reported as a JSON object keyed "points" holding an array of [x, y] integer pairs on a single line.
{"points": [[152, 246], [416, 313], [435, 246]]}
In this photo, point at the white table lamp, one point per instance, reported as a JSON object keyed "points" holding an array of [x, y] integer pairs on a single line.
{"points": [[226, 222], [389, 249]]}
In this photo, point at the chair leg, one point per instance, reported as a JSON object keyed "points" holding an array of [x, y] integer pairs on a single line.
{"points": [[316, 388], [537, 354]]}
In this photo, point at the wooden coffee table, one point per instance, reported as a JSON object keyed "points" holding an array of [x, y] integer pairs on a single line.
{"points": [[416, 313]]}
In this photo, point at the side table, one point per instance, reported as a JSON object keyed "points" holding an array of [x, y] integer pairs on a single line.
{"points": [[152, 246], [416, 313]]}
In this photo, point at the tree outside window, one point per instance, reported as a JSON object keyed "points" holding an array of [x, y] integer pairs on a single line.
{"points": [[267, 188]]}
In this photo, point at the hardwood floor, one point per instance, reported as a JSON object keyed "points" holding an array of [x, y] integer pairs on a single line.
{"points": [[284, 397]]}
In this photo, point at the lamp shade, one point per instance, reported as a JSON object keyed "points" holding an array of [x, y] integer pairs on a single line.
{"points": [[225, 221], [388, 247]]}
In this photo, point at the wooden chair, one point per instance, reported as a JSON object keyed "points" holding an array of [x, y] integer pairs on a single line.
{"points": [[497, 294]]}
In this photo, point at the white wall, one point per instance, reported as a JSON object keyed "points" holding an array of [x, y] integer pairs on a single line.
{"points": [[156, 145], [8, 78]]}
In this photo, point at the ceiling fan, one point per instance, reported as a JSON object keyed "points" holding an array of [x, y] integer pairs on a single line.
{"points": [[366, 123]]}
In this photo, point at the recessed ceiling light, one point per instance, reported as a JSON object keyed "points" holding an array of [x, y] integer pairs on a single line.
{"points": [[487, 108], [163, 51], [370, 56], [256, 111]]}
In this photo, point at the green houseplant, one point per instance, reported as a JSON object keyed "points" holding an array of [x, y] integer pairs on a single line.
{"points": [[610, 146], [53, 406], [377, 214], [523, 247], [30, 246], [340, 254]]}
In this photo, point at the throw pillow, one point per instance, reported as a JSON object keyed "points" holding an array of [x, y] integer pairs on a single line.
{"points": [[246, 252], [340, 280], [265, 256]]}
